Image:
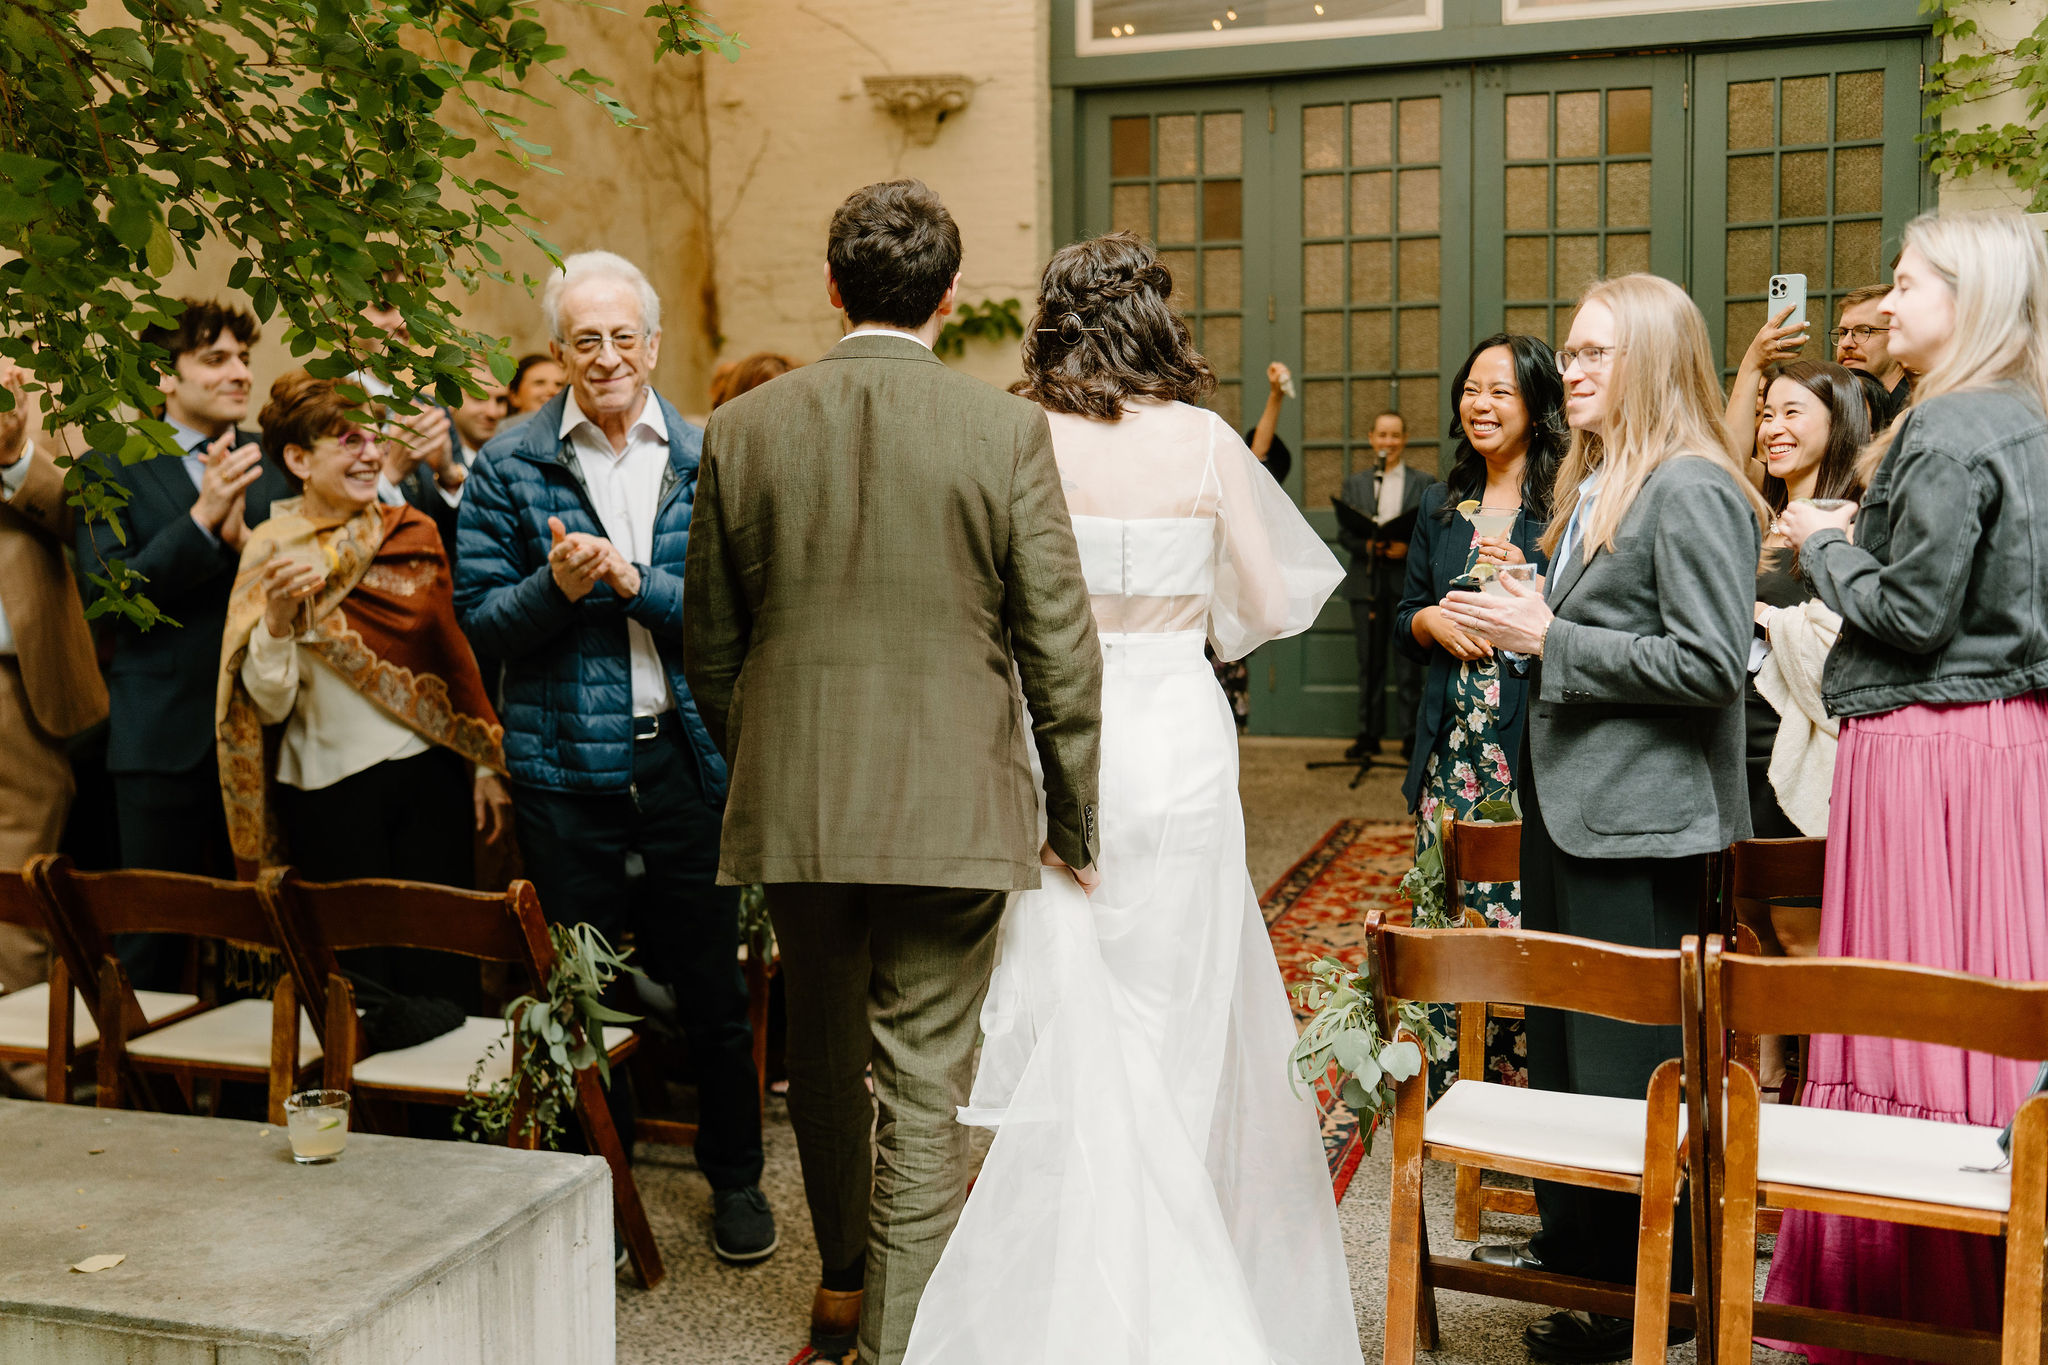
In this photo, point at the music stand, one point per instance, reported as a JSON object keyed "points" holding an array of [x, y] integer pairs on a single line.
{"points": [[1359, 524], [1363, 764]]}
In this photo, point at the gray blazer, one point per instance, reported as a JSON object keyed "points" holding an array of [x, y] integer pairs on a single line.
{"points": [[1636, 731]]}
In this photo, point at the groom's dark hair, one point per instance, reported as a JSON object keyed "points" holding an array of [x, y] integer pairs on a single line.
{"points": [[893, 251]]}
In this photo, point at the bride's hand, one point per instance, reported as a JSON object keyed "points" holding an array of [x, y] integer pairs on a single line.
{"points": [[1088, 877]]}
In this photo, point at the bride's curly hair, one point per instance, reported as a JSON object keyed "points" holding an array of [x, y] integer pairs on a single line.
{"points": [[1105, 333]]}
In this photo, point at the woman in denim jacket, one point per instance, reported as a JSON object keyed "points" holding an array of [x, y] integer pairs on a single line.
{"points": [[1935, 854]]}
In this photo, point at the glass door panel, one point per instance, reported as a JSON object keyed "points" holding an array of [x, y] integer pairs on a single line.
{"points": [[1805, 163], [1177, 174], [1371, 300], [1581, 177]]}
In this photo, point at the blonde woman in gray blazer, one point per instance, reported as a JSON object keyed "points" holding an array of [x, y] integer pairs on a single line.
{"points": [[1638, 646]]}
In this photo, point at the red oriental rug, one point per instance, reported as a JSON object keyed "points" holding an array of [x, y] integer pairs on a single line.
{"points": [[1318, 909]]}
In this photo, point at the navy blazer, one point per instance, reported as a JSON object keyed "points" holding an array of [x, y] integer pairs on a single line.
{"points": [[161, 683], [1436, 556]]}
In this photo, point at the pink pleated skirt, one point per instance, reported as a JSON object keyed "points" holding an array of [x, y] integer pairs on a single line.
{"points": [[1937, 855]]}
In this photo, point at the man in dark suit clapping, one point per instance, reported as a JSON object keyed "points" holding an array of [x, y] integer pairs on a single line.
{"points": [[182, 530]]}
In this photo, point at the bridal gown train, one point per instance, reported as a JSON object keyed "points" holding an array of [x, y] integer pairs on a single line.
{"points": [[1156, 1191]]}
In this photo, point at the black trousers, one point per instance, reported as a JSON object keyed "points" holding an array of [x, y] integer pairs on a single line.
{"points": [[1642, 902], [1372, 627], [686, 926], [412, 819], [169, 822]]}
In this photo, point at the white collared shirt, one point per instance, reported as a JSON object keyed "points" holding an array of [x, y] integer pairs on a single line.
{"points": [[625, 488], [1393, 483], [886, 332]]}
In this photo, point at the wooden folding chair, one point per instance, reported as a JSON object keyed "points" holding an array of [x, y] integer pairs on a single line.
{"points": [[1894, 1169], [1477, 851], [47, 1023], [315, 922], [1764, 870], [1649, 1147], [262, 1042]]}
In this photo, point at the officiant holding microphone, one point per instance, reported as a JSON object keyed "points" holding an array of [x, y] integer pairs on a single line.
{"points": [[1375, 520]]}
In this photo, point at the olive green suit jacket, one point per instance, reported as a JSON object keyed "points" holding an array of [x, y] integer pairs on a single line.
{"points": [[879, 553]]}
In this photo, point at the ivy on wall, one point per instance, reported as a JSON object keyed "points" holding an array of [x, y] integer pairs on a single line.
{"points": [[1978, 71], [311, 138]]}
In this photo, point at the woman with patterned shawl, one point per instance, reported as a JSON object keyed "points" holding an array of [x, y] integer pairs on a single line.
{"points": [[356, 736]]}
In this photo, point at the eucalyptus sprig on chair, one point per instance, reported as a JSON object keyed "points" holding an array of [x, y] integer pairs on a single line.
{"points": [[1345, 1030], [555, 1038]]}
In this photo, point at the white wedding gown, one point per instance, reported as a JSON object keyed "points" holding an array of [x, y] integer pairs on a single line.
{"points": [[1156, 1193]]}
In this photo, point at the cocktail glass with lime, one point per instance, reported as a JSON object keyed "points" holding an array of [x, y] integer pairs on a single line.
{"points": [[317, 1123]]}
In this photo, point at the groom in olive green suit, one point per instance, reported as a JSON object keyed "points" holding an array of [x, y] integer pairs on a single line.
{"points": [[879, 551]]}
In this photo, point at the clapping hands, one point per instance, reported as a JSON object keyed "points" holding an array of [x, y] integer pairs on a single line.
{"points": [[580, 561], [224, 486], [419, 438]]}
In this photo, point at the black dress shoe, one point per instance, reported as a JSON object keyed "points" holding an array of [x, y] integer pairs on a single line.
{"points": [[1510, 1255], [1362, 747], [1577, 1338]]}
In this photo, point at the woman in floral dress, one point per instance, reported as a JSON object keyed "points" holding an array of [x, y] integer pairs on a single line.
{"points": [[1510, 434]]}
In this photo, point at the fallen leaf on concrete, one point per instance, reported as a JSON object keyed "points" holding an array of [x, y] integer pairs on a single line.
{"points": [[92, 1264]]}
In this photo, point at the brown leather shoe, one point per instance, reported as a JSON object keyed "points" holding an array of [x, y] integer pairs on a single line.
{"points": [[835, 1321]]}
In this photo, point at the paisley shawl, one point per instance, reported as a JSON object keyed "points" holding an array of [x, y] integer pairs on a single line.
{"points": [[384, 620]]}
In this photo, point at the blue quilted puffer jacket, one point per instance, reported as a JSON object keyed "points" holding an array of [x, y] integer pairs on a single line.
{"points": [[567, 706]]}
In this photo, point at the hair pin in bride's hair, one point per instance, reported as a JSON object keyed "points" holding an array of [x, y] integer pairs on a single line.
{"points": [[1070, 329]]}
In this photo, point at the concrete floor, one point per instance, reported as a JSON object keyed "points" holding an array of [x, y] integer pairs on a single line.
{"points": [[707, 1313]]}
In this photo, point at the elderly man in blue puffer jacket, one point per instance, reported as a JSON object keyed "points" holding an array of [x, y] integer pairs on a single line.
{"points": [[572, 534]]}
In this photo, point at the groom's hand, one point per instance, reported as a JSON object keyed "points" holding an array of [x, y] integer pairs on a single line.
{"points": [[1088, 877]]}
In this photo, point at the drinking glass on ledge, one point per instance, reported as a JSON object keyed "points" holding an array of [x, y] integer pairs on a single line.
{"points": [[317, 1123]]}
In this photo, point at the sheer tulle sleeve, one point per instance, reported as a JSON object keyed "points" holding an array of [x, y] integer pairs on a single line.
{"points": [[1273, 572]]}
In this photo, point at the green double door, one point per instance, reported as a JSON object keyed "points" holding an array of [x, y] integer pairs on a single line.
{"points": [[1368, 229]]}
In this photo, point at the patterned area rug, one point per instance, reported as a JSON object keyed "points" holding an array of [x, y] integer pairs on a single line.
{"points": [[1318, 909]]}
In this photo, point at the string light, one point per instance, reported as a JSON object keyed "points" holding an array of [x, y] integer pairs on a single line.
{"points": [[1231, 15], [1319, 9], [1216, 24]]}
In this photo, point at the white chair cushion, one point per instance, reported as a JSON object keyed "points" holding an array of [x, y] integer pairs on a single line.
{"points": [[25, 1015], [1591, 1132], [444, 1063], [1882, 1154], [235, 1034]]}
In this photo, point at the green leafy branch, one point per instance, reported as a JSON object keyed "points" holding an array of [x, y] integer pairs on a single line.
{"points": [[558, 1036], [988, 321], [2017, 150], [314, 139], [1342, 1047]]}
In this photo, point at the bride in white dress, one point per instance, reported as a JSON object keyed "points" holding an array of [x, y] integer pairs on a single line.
{"points": [[1156, 1191]]}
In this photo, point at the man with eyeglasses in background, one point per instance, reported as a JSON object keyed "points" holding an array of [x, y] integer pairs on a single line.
{"points": [[573, 528], [1862, 343]]}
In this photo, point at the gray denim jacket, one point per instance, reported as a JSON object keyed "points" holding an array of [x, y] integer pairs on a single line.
{"points": [[1944, 594]]}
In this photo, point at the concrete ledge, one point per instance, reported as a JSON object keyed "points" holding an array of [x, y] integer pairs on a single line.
{"points": [[402, 1251]]}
